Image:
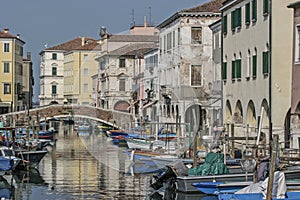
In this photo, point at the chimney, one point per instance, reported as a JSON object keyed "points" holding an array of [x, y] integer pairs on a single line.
{"points": [[6, 30], [28, 55], [145, 22], [82, 41]]}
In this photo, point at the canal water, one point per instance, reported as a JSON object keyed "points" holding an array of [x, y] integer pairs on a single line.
{"points": [[88, 166]]}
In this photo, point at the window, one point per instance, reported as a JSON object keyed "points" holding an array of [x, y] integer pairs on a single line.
{"points": [[196, 75], [178, 36], [233, 69], [7, 88], [6, 47], [85, 57], [196, 35], [224, 24], [238, 66], [236, 18], [254, 10], [239, 17], [173, 39], [297, 44], [266, 7], [122, 63], [54, 71], [85, 72], [54, 56], [6, 67], [248, 70], [247, 14], [254, 66], [121, 84], [54, 91], [85, 87], [169, 41], [265, 62], [224, 70]]}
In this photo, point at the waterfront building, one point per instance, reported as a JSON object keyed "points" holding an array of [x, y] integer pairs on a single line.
{"points": [[257, 67], [51, 76], [11, 61], [215, 103], [28, 81], [66, 71], [121, 66], [185, 69], [295, 105]]}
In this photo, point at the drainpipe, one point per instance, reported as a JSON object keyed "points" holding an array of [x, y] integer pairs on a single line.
{"points": [[270, 74]]}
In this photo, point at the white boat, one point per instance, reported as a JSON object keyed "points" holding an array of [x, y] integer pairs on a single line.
{"points": [[156, 145]]}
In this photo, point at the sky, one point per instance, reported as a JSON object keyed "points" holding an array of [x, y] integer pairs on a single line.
{"points": [[52, 22]]}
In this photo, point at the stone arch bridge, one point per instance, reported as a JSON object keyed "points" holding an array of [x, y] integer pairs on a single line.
{"points": [[116, 118]]}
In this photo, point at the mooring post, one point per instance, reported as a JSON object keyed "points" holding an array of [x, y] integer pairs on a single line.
{"points": [[272, 166]]}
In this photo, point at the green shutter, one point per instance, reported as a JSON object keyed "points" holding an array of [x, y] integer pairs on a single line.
{"points": [[224, 71], [265, 62], [254, 66], [254, 10], [233, 69], [266, 6], [238, 67], [233, 20], [239, 17], [247, 15], [225, 24]]}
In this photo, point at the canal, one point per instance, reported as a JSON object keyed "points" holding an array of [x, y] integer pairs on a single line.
{"points": [[85, 167]]}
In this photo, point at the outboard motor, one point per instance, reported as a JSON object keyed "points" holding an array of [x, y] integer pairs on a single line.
{"points": [[172, 171], [158, 180]]}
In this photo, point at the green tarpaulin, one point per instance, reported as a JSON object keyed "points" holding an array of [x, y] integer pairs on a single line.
{"points": [[214, 164]]}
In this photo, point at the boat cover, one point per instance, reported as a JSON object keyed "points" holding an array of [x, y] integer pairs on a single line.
{"points": [[213, 165], [279, 187]]}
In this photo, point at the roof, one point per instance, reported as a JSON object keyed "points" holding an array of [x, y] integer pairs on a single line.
{"points": [[211, 8], [132, 49], [4, 34], [133, 38], [76, 44]]}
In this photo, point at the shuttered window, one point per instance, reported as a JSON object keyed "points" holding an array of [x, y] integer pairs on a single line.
{"points": [[224, 70], [224, 24], [247, 13], [265, 62], [254, 66], [254, 10]]}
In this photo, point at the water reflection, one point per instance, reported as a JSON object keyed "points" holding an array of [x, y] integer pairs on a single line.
{"points": [[84, 167]]}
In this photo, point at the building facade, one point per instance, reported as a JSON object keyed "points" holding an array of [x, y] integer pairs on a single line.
{"points": [[121, 64], [11, 61], [295, 105], [185, 66], [256, 66], [28, 81], [51, 76], [66, 70]]}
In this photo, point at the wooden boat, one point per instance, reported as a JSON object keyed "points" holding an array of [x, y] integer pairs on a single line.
{"points": [[33, 157], [185, 183]]}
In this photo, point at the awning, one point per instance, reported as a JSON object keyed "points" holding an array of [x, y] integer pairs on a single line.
{"points": [[150, 104]]}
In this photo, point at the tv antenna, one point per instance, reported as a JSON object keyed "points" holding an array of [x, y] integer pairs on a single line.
{"points": [[132, 18]]}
